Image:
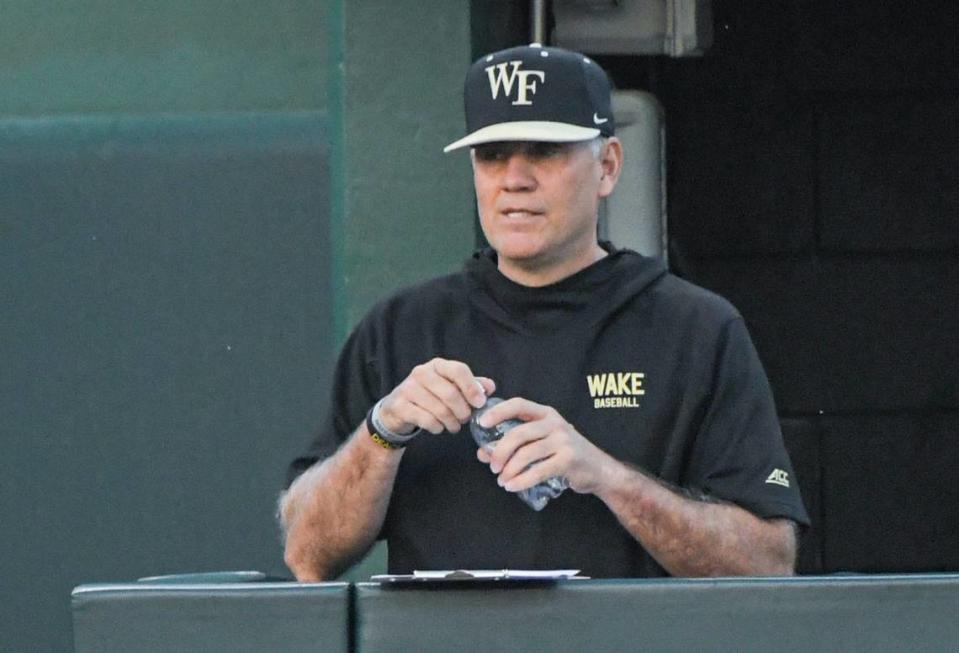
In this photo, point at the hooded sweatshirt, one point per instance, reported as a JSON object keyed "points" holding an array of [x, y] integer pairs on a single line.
{"points": [[658, 373]]}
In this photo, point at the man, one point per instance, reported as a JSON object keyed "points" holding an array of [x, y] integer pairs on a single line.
{"points": [[642, 391]]}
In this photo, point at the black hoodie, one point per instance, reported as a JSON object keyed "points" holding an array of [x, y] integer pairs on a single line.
{"points": [[657, 372]]}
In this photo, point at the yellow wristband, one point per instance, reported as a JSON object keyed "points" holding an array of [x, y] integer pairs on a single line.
{"points": [[383, 436], [383, 443]]}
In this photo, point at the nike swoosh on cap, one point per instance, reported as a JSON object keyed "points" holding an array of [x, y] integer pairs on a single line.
{"points": [[599, 121]]}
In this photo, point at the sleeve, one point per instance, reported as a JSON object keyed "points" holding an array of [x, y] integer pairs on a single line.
{"points": [[355, 389], [738, 454]]}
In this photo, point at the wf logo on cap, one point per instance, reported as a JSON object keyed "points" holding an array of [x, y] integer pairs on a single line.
{"points": [[502, 76]]}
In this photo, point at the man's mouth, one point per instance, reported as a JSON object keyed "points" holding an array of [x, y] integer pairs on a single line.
{"points": [[519, 213]]}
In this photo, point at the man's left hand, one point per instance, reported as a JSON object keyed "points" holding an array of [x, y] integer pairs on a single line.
{"points": [[546, 439]]}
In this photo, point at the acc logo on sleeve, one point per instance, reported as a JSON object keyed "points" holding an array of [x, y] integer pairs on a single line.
{"points": [[616, 389], [778, 477]]}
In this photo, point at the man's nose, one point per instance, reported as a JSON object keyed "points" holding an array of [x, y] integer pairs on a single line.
{"points": [[519, 174]]}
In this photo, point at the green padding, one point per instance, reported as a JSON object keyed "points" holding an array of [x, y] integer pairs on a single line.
{"points": [[164, 341], [889, 613], [210, 618], [206, 577]]}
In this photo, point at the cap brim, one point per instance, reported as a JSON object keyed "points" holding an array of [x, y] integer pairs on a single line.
{"points": [[530, 130]]}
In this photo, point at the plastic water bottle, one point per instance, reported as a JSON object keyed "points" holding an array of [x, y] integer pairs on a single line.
{"points": [[535, 497]]}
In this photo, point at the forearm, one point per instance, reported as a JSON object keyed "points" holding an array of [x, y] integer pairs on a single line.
{"points": [[333, 511], [692, 537]]}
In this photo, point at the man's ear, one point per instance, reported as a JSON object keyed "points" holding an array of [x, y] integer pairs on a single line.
{"points": [[611, 163]]}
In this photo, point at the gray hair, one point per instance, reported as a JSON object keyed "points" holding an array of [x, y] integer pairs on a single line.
{"points": [[597, 145]]}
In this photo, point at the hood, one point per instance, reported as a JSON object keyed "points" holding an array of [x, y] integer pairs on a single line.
{"points": [[587, 297]]}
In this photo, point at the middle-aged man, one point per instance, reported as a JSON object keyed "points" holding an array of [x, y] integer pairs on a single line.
{"points": [[643, 391]]}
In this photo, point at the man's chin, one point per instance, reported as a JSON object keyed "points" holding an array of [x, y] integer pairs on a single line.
{"points": [[521, 256], [519, 246]]}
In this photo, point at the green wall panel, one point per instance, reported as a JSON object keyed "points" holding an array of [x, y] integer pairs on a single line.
{"points": [[165, 332], [165, 340], [116, 56], [407, 209]]}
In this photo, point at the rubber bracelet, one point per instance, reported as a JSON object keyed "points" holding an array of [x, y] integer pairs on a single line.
{"points": [[382, 435]]}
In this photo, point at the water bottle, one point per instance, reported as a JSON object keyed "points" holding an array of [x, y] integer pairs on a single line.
{"points": [[535, 497]]}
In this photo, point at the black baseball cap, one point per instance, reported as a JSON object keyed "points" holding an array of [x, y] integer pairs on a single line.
{"points": [[535, 93]]}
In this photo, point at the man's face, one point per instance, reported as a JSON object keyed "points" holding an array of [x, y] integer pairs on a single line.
{"points": [[538, 203]]}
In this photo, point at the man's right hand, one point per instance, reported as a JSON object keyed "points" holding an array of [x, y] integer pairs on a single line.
{"points": [[436, 396]]}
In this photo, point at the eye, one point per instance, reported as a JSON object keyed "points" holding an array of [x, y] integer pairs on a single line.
{"points": [[493, 152], [500, 152], [545, 150]]}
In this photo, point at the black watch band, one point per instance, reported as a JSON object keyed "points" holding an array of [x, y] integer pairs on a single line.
{"points": [[382, 435]]}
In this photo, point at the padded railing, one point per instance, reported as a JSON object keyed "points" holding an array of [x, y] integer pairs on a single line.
{"points": [[241, 617], [915, 613]]}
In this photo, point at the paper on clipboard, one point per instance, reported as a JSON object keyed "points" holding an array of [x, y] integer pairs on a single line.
{"points": [[480, 574]]}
